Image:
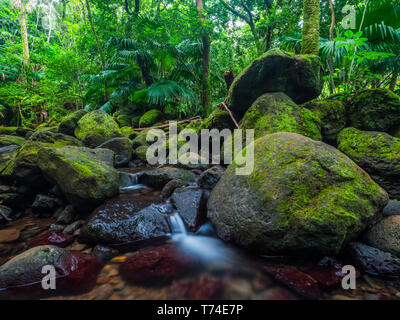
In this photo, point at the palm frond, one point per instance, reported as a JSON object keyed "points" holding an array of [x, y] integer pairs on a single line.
{"points": [[167, 90]]}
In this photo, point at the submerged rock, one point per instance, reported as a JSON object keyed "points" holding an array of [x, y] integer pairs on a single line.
{"points": [[96, 127], [157, 265], [22, 276], [276, 71], [377, 153], [158, 178], [122, 148], [373, 260], [374, 110], [85, 179], [303, 196], [276, 112]]}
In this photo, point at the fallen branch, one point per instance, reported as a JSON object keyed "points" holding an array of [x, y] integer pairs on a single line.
{"points": [[229, 112], [166, 125]]}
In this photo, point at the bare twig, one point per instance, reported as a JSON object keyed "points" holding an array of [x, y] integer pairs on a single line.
{"points": [[229, 112]]}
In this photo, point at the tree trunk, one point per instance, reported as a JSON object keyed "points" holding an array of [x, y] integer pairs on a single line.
{"points": [[24, 35], [205, 78], [310, 33], [144, 69], [332, 88], [393, 81]]}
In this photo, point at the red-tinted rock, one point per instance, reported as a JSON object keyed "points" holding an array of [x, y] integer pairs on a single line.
{"points": [[328, 272], [302, 283], [55, 238], [22, 276], [203, 288], [158, 265], [278, 294]]}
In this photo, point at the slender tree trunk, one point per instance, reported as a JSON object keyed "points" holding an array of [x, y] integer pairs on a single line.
{"points": [[393, 81], [24, 35], [205, 78], [311, 16], [144, 69], [332, 88]]}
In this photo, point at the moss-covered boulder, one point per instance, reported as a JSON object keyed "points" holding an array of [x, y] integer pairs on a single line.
{"points": [[124, 120], [196, 125], [14, 131], [276, 112], [219, 119], [122, 147], [128, 132], [84, 178], [6, 140], [378, 153], [303, 197], [332, 113], [141, 152], [158, 178], [96, 127], [69, 123], [374, 110], [58, 139], [150, 117], [7, 153], [298, 76], [140, 139]]}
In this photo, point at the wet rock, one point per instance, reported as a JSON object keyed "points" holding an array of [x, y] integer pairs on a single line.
{"points": [[51, 238], [292, 202], [22, 275], [141, 153], [67, 215], [385, 235], [157, 265], [69, 123], [158, 178], [275, 71], [328, 272], [58, 139], [9, 235], [210, 177], [44, 205], [104, 253], [378, 153], [169, 188], [7, 211], [122, 148], [85, 179], [56, 227], [96, 127], [191, 205], [373, 260], [71, 228], [6, 154], [203, 288], [115, 226], [392, 208], [277, 294], [302, 283]]}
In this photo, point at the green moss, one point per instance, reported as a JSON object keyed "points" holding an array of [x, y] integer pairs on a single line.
{"points": [[128, 132], [196, 125], [6, 140], [219, 119], [124, 120], [69, 123], [150, 117], [140, 152]]}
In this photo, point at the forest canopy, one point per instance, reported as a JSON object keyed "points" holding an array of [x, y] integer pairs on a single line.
{"points": [[128, 57]]}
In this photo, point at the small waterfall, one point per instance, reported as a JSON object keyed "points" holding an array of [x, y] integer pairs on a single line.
{"points": [[129, 181], [177, 224]]}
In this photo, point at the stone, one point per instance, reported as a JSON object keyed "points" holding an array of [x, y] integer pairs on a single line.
{"points": [[373, 260], [67, 215], [378, 153], [109, 226], [202, 288], [7, 211], [104, 253], [57, 139], [210, 177], [150, 118], [392, 208], [385, 235], [298, 76], [96, 127], [69, 123], [51, 238], [84, 178], [44, 205], [219, 119], [328, 272], [169, 188], [192, 161], [302, 197], [6, 154], [157, 265], [22, 276], [6, 140], [374, 109], [276, 112], [73, 227], [191, 205], [122, 148], [124, 120], [14, 131], [141, 153], [9, 235], [128, 132], [332, 114], [158, 178]]}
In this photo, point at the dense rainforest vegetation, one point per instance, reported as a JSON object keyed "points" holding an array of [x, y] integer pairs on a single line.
{"points": [[127, 57]]}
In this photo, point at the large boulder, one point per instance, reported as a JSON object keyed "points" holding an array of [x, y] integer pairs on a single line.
{"points": [[86, 179], [122, 148], [57, 139], [69, 123], [377, 153], [96, 127], [333, 117], [374, 110], [276, 112], [303, 197], [150, 117], [158, 178], [6, 154], [298, 76]]}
